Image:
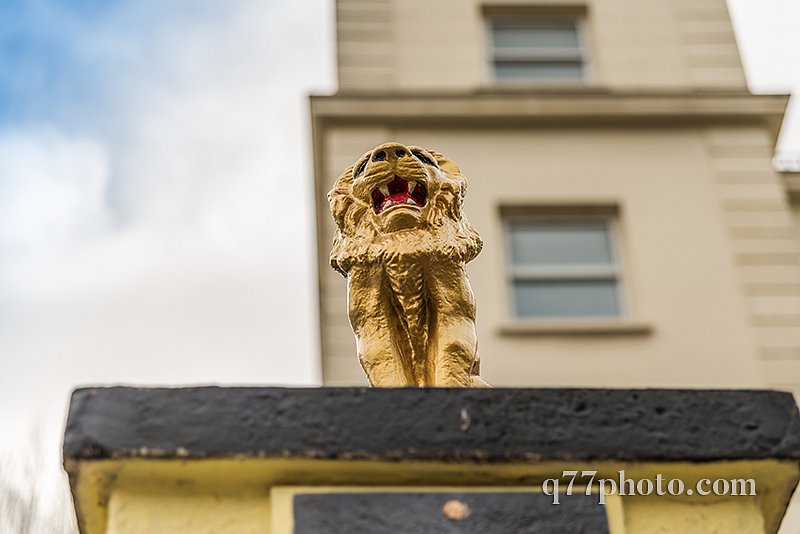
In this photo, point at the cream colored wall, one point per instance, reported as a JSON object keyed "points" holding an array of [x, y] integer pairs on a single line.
{"points": [[423, 45], [760, 227], [684, 239], [363, 42], [796, 217]]}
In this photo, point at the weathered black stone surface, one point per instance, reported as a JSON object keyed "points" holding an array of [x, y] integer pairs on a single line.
{"points": [[419, 513], [486, 425]]}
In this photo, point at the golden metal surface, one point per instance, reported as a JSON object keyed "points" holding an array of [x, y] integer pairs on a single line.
{"points": [[402, 242]]}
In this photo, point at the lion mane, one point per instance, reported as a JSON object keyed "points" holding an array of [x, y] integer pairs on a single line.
{"points": [[402, 241]]}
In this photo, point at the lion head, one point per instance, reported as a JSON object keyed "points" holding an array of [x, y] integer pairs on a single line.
{"points": [[400, 201]]}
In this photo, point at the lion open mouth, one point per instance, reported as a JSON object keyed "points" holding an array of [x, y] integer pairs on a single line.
{"points": [[399, 192]]}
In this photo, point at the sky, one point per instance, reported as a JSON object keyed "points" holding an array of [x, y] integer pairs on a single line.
{"points": [[156, 221], [769, 45], [155, 198], [155, 215]]}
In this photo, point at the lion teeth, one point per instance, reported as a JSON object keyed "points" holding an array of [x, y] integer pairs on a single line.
{"points": [[411, 201], [385, 190], [411, 185]]}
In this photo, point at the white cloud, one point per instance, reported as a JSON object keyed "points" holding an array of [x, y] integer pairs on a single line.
{"points": [[51, 193]]}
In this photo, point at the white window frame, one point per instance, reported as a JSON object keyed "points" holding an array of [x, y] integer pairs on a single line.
{"points": [[615, 272], [554, 55]]}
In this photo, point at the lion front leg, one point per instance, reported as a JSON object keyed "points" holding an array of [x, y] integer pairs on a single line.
{"points": [[454, 350], [380, 359], [453, 346], [376, 329]]}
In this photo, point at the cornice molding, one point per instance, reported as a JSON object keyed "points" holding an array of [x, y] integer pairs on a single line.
{"points": [[511, 108]]}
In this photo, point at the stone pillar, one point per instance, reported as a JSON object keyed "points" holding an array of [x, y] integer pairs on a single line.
{"points": [[345, 460]]}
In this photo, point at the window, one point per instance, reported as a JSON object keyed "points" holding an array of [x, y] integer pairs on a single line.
{"points": [[564, 268], [540, 49]]}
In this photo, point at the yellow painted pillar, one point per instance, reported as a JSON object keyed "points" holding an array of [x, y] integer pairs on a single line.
{"points": [[281, 461]]}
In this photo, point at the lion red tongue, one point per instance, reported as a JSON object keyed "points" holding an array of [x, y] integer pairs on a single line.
{"points": [[398, 190]]}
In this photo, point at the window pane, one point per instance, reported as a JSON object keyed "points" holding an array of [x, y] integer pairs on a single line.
{"points": [[534, 35], [595, 298], [547, 244], [538, 70]]}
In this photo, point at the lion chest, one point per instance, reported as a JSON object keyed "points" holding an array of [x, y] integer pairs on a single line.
{"points": [[407, 282]]}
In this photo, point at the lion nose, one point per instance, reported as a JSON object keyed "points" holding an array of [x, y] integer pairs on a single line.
{"points": [[390, 151]]}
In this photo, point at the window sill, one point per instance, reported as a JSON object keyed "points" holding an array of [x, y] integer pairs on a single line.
{"points": [[575, 328], [541, 86]]}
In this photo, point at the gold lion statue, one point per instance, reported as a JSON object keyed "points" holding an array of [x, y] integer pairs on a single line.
{"points": [[402, 242]]}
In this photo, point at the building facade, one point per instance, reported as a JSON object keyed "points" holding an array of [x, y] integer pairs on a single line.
{"points": [[620, 173]]}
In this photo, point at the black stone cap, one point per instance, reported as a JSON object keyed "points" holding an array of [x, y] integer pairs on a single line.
{"points": [[482, 425]]}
